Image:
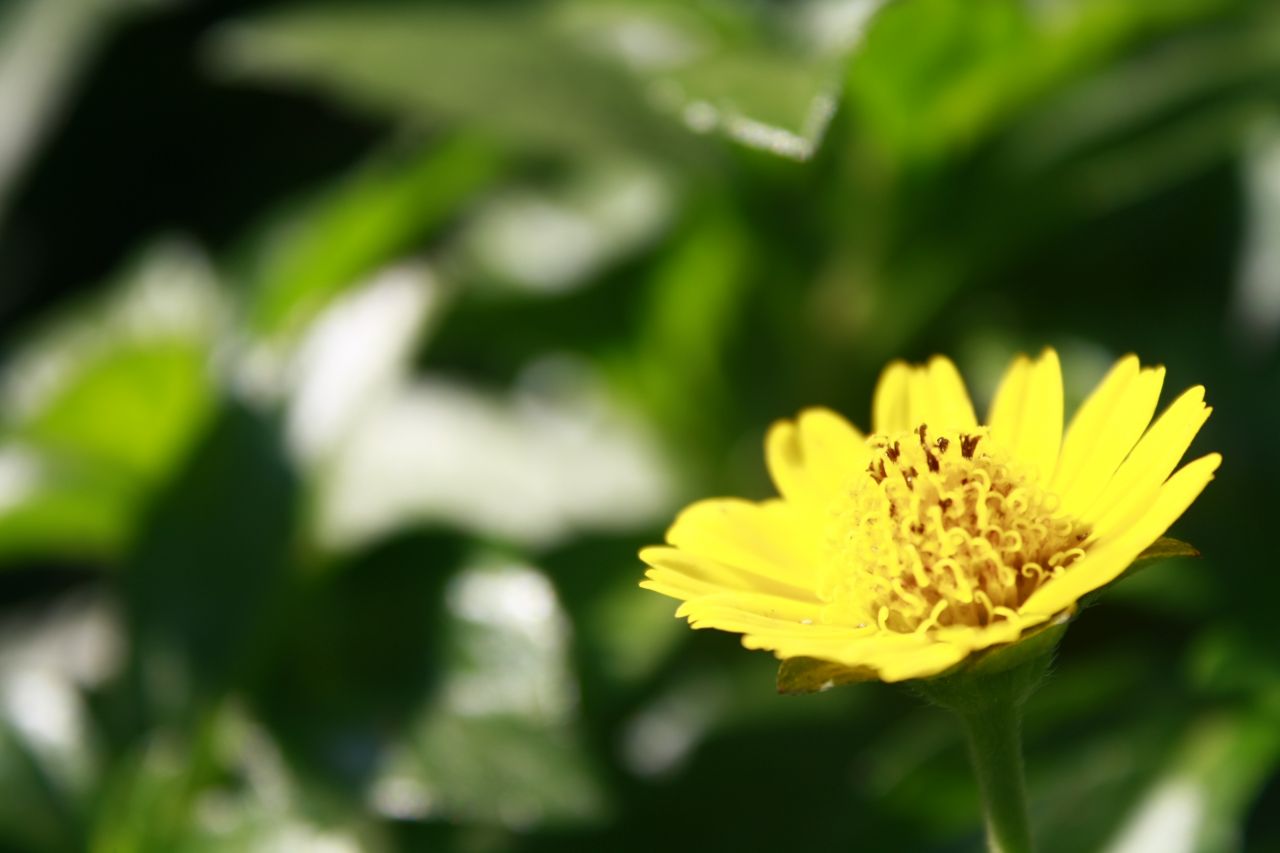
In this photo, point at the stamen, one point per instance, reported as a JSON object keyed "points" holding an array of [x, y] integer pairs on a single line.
{"points": [[967, 535], [942, 605]]}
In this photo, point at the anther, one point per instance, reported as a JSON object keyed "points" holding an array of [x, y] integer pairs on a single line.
{"points": [[942, 444], [969, 443]]}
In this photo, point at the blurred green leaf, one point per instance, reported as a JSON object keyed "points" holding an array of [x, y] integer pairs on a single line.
{"points": [[499, 742], [147, 799], [505, 770], [515, 75], [566, 231], [133, 409], [766, 76], [99, 405], [36, 812], [980, 131], [1215, 772], [63, 508], [358, 649], [937, 76], [697, 293], [223, 789], [204, 579], [386, 207]]}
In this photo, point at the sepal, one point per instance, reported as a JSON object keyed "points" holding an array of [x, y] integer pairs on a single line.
{"points": [[812, 675]]}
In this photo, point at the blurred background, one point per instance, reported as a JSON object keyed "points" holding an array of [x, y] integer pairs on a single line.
{"points": [[349, 351]]}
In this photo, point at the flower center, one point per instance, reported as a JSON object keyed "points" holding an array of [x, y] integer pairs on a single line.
{"points": [[942, 530]]}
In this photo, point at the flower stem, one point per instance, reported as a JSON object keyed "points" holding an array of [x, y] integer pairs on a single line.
{"points": [[987, 695], [995, 749]]}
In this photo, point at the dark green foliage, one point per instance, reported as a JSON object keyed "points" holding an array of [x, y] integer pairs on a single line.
{"points": [[319, 520]]}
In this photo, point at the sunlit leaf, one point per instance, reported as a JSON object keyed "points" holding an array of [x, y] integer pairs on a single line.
{"points": [[334, 241], [101, 404], [38, 812], [226, 789], [1214, 774], [508, 466], [498, 770], [454, 63], [766, 77], [558, 235], [499, 744]]}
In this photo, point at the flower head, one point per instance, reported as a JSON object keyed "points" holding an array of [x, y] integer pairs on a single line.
{"points": [[902, 553]]}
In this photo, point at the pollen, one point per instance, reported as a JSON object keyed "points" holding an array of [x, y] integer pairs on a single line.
{"points": [[941, 530]]}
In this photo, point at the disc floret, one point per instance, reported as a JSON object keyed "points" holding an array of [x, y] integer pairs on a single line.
{"points": [[942, 529]]}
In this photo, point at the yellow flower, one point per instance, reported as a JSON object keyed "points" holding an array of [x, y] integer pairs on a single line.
{"points": [[901, 553]]}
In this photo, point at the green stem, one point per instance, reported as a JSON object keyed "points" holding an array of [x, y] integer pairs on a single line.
{"points": [[995, 748], [988, 694]]}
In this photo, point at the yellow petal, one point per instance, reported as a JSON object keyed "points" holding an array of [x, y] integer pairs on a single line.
{"points": [[1110, 556], [932, 394], [1103, 432], [919, 663], [772, 539], [783, 620], [1155, 456], [894, 657], [1026, 415], [939, 398], [745, 611], [815, 457], [975, 638], [686, 576], [890, 411]]}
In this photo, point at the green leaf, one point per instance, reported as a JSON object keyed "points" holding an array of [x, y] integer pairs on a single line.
{"points": [[501, 770], [37, 812], [936, 76], [499, 743], [767, 77], [206, 574], [158, 796], [63, 508], [134, 408], [1215, 773], [101, 403], [515, 75], [314, 251], [358, 651]]}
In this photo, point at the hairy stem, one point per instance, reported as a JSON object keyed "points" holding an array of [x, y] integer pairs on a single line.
{"points": [[995, 749]]}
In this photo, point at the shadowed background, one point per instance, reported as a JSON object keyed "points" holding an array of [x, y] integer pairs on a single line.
{"points": [[349, 352]]}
